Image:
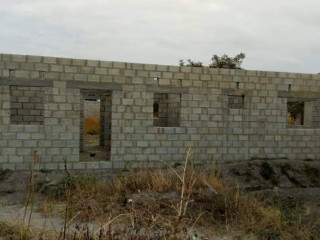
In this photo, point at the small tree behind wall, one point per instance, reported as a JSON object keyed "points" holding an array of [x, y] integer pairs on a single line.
{"points": [[218, 62], [295, 112]]}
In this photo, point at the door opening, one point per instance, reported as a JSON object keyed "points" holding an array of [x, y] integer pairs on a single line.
{"points": [[95, 126]]}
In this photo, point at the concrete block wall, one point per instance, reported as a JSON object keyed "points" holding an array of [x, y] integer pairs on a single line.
{"points": [[56, 141], [81, 119], [168, 114], [207, 122]]}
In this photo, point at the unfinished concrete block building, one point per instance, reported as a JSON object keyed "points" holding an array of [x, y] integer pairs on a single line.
{"points": [[150, 113]]}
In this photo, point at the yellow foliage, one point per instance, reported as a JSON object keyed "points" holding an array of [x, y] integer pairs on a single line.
{"points": [[92, 125]]}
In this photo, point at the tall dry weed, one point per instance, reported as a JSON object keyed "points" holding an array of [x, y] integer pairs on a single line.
{"points": [[169, 202]]}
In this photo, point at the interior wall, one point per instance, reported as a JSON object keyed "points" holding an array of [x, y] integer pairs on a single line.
{"points": [[316, 114], [174, 106], [105, 121], [92, 109], [169, 110], [162, 119], [81, 137]]}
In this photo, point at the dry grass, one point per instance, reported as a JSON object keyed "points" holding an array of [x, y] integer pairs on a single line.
{"points": [[150, 200], [92, 125], [166, 204]]}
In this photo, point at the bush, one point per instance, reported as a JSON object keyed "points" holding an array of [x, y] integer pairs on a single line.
{"points": [[68, 183], [312, 172], [285, 167], [266, 171], [92, 125]]}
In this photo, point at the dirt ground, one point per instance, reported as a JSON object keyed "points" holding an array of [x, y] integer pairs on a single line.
{"points": [[291, 179], [91, 139], [92, 150]]}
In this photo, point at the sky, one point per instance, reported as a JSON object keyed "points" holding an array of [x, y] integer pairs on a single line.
{"points": [[275, 35]]}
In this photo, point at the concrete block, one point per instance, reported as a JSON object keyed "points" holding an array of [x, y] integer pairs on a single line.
{"points": [[34, 59], [51, 60], [42, 67], [105, 165], [19, 58], [27, 66], [119, 64], [21, 74], [105, 64]]}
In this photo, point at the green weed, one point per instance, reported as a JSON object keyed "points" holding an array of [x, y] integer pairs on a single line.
{"points": [[59, 190]]}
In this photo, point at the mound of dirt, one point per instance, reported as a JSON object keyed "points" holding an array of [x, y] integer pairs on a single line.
{"points": [[14, 184], [267, 174]]}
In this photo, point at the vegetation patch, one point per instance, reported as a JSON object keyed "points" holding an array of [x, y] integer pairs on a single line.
{"points": [[168, 204], [308, 159], [92, 125], [3, 173], [268, 173], [68, 183], [313, 173], [8, 231], [285, 168]]}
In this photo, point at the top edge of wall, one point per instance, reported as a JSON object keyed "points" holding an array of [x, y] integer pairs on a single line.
{"points": [[150, 67]]}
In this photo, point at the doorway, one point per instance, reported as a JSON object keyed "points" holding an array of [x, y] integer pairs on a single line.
{"points": [[95, 125]]}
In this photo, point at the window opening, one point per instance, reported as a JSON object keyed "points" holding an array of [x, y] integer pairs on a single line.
{"points": [[27, 105], [236, 101], [166, 110], [156, 110], [295, 113]]}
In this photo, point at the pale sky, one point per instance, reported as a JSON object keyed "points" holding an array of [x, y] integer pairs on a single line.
{"points": [[276, 35]]}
